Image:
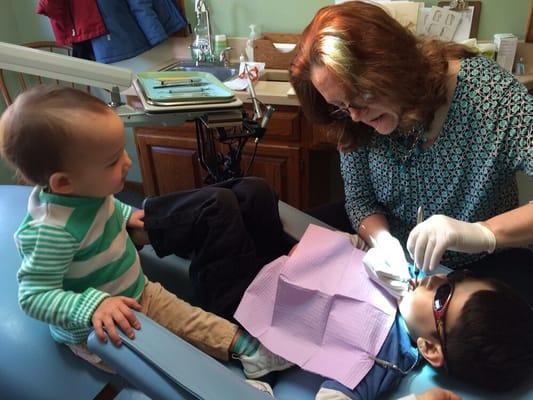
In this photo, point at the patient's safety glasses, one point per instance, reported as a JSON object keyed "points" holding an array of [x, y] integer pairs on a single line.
{"points": [[441, 301]]}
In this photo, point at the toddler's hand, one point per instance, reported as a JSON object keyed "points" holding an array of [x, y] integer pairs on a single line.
{"points": [[437, 394], [136, 220], [116, 310]]}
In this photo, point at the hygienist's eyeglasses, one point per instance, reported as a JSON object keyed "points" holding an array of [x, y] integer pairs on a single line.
{"points": [[339, 113], [441, 302]]}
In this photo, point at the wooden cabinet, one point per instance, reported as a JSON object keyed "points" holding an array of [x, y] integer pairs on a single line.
{"points": [[281, 167], [169, 159]]}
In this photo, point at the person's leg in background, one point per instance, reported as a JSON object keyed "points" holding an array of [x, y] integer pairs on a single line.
{"points": [[208, 224]]}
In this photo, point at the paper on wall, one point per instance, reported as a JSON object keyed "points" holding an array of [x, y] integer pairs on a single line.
{"points": [[465, 24], [506, 44], [442, 23]]}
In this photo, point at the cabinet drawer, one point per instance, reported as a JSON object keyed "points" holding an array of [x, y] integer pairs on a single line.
{"points": [[279, 166], [284, 124]]}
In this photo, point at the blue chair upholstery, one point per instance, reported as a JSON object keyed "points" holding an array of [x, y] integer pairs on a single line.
{"points": [[34, 366]]}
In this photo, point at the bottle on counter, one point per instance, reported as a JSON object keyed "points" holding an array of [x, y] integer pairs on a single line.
{"points": [[519, 67], [201, 47], [221, 42], [250, 43]]}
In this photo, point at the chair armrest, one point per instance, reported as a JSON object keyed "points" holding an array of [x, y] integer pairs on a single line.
{"points": [[295, 222], [164, 366]]}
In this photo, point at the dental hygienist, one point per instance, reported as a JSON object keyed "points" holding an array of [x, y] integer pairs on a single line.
{"points": [[421, 122]]}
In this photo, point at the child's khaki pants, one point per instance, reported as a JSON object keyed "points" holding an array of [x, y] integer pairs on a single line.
{"points": [[202, 329]]}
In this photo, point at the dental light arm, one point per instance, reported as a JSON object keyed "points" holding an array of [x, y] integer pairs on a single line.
{"points": [[65, 68]]}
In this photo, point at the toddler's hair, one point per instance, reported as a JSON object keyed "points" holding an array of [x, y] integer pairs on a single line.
{"points": [[37, 130]]}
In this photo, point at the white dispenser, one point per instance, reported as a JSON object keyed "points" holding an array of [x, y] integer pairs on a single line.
{"points": [[250, 43]]}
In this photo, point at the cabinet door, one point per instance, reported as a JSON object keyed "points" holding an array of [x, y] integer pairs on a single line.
{"points": [[280, 166], [169, 163]]}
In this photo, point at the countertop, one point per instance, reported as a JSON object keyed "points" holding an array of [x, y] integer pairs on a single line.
{"points": [[177, 48], [269, 92]]}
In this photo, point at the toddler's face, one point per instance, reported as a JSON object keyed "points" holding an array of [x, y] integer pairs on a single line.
{"points": [[100, 163], [417, 306]]}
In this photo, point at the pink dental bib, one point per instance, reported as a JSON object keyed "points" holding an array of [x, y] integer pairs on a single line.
{"points": [[319, 309]]}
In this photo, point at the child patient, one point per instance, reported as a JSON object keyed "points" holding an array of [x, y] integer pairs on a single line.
{"points": [[478, 330], [80, 269]]}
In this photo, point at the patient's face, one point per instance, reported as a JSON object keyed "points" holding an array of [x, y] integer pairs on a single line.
{"points": [[417, 306]]}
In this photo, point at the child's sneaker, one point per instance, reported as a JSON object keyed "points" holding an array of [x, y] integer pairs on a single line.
{"points": [[260, 385], [262, 362], [332, 394]]}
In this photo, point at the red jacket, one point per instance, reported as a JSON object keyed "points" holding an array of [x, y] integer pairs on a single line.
{"points": [[73, 21]]}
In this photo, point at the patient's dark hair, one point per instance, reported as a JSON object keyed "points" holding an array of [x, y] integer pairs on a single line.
{"points": [[38, 128], [491, 345]]}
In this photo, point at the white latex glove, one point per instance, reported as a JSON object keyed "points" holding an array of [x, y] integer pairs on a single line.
{"points": [[381, 273], [430, 239], [392, 251]]}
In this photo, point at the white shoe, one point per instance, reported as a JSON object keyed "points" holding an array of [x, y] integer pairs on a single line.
{"points": [[262, 362], [260, 385], [330, 394]]}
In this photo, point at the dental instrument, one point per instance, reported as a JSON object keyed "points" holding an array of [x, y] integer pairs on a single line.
{"points": [[419, 219]]}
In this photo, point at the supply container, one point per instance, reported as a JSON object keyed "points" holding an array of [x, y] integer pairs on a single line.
{"points": [[250, 43]]}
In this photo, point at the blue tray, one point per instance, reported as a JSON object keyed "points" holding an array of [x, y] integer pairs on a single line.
{"points": [[180, 87]]}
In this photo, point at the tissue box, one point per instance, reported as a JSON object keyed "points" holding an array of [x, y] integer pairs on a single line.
{"points": [[506, 44]]}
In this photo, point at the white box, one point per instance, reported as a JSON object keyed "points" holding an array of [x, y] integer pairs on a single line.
{"points": [[506, 44]]}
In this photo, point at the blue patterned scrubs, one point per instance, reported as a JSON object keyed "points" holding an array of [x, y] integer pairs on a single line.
{"points": [[469, 171]]}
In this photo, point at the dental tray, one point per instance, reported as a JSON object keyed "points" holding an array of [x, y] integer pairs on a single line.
{"points": [[176, 88]]}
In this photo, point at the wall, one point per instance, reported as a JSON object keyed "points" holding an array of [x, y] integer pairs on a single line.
{"points": [[32, 27], [233, 16]]}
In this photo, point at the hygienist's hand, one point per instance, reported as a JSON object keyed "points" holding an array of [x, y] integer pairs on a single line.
{"points": [[391, 250], [136, 220], [116, 310], [429, 240], [394, 282]]}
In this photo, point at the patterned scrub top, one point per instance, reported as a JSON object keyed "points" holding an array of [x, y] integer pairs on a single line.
{"points": [[468, 173]]}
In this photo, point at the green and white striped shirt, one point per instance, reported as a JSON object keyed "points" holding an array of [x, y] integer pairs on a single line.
{"points": [[75, 252]]}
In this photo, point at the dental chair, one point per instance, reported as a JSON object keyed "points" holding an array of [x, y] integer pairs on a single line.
{"points": [[157, 364]]}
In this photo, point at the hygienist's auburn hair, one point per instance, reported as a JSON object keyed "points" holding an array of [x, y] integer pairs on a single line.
{"points": [[39, 128], [370, 53]]}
